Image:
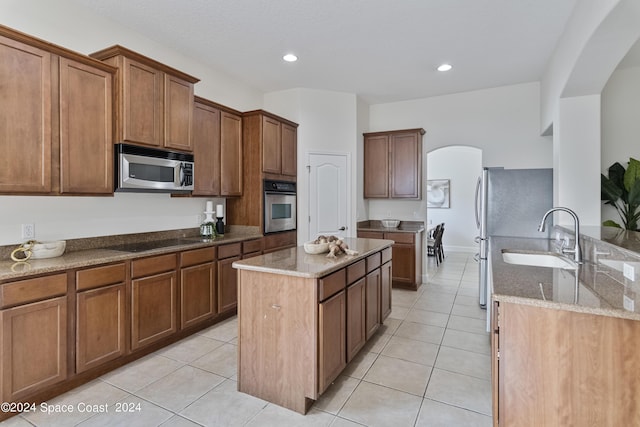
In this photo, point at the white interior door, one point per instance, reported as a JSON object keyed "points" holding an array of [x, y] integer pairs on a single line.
{"points": [[329, 194]]}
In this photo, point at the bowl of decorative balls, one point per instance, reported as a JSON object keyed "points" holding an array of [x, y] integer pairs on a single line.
{"points": [[332, 244]]}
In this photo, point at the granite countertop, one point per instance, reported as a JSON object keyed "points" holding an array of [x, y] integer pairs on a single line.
{"points": [[104, 253], [296, 262], [589, 289], [404, 227]]}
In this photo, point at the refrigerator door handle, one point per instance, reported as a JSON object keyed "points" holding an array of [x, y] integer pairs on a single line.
{"points": [[478, 201], [476, 257]]}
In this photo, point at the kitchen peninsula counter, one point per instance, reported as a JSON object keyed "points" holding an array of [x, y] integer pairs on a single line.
{"points": [[595, 290], [302, 318]]}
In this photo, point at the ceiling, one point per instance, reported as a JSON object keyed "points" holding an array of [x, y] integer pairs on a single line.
{"points": [[381, 50]]}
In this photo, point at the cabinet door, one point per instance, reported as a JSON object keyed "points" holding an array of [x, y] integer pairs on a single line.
{"points": [[86, 143], [372, 315], [227, 285], [331, 338], [370, 234], [289, 150], [406, 165], [271, 145], [25, 114], [100, 326], [142, 95], [376, 166], [178, 113], [206, 150], [231, 154], [356, 309], [404, 267], [197, 294], [153, 308], [385, 291], [34, 342]]}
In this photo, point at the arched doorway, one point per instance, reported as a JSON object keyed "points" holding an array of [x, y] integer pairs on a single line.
{"points": [[461, 166]]}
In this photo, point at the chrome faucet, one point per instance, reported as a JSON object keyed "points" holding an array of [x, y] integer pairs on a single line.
{"points": [[576, 251]]}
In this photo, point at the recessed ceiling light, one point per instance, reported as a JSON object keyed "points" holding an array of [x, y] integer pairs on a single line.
{"points": [[445, 67], [290, 57]]}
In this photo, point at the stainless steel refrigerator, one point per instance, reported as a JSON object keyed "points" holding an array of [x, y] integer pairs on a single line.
{"points": [[509, 202]]}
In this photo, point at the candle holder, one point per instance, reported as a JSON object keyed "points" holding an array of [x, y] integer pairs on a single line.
{"points": [[220, 226]]}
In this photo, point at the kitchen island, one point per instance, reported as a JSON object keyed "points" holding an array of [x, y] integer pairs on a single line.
{"points": [[302, 318], [565, 341]]}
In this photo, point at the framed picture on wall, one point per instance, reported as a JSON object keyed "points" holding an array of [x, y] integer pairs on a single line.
{"points": [[437, 193]]}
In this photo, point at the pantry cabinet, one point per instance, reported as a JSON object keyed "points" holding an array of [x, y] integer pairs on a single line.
{"points": [[100, 315], [217, 147], [56, 112], [154, 102], [34, 335], [153, 299], [393, 164]]}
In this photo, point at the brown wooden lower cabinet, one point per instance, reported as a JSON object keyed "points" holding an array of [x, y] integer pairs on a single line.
{"points": [[385, 290], [100, 315], [198, 296], [559, 368], [372, 292], [332, 332], [228, 277], [356, 308], [407, 256], [34, 347], [153, 299]]}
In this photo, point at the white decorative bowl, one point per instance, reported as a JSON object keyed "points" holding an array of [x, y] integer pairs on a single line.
{"points": [[43, 250], [390, 223], [316, 248]]}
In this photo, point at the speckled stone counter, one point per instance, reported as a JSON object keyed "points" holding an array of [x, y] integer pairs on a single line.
{"points": [[403, 227], [296, 262], [93, 251], [593, 288]]}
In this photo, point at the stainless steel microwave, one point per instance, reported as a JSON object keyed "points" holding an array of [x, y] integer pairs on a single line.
{"points": [[142, 169]]}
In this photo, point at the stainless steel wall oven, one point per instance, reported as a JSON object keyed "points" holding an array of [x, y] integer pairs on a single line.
{"points": [[279, 206]]}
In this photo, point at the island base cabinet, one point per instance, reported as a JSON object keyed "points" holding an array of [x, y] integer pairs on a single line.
{"points": [[34, 347], [277, 342], [332, 339], [558, 367], [356, 307]]}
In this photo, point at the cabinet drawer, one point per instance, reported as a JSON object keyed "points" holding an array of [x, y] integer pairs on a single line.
{"points": [[373, 262], [356, 271], [331, 284], [153, 265], [197, 256], [400, 237], [249, 246], [31, 290], [386, 255], [370, 234], [227, 251], [279, 240], [100, 276]]}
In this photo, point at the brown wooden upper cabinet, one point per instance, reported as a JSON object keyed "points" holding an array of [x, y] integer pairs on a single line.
{"points": [[154, 101], [393, 164], [278, 140], [217, 147], [56, 112]]}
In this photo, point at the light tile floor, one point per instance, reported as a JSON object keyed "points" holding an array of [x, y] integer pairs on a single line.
{"points": [[429, 365]]}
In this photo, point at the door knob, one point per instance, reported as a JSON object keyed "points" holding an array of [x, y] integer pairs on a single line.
{"points": [[342, 228]]}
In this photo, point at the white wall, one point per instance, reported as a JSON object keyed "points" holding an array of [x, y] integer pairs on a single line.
{"points": [[459, 219], [620, 103], [327, 123], [65, 24]]}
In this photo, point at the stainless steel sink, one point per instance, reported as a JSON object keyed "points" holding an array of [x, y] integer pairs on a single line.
{"points": [[538, 259]]}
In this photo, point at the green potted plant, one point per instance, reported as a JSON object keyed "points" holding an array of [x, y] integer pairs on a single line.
{"points": [[621, 189]]}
